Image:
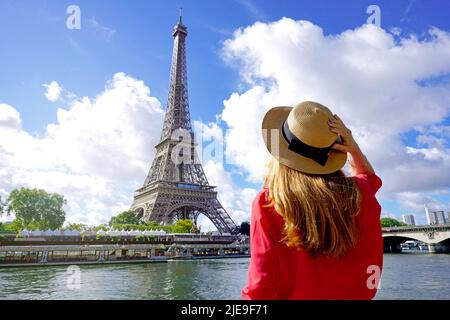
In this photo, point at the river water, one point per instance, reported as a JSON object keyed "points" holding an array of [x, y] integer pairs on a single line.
{"points": [[405, 276]]}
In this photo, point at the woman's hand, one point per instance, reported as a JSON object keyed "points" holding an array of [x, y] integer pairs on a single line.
{"points": [[348, 143], [358, 161]]}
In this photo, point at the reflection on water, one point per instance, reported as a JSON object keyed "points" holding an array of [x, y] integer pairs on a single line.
{"points": [[415, 276], [405, 276]]}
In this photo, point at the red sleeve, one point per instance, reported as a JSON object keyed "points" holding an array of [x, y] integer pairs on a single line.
{"points": [[373, 181], [263, 273]]}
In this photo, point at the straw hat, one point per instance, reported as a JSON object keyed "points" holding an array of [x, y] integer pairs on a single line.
{"points": [[299, 137]]}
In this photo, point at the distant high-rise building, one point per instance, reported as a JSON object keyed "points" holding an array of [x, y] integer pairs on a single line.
{"points": [[409, 219], [440, 217], [435, 217], [431, 216]]}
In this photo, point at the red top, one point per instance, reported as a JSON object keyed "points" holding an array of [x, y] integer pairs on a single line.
{"points": [[279, 272]]}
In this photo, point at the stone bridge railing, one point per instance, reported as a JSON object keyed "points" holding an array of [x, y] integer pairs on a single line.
{"points": [[435, 227]]}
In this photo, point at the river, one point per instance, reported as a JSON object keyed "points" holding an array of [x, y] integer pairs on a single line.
{"points": [[405, 276]]}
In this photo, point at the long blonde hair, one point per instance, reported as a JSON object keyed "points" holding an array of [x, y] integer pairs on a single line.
{"points": [[319, 210]]}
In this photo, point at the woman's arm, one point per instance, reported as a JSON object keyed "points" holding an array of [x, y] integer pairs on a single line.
{"points": [[358, 161], [263, 273]]}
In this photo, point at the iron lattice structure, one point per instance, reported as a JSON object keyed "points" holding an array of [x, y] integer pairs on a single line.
{"points": [[173, 189]]}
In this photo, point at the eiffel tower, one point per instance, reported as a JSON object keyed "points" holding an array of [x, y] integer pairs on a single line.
{"points": [[176, 186]]}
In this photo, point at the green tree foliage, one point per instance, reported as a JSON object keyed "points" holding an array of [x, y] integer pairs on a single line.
{"points": [[181, 226], [13, 227], [153, 225], [390, 222], [126, 217], [127, 221], [244, 228], [103, 227], [36, 208], [130, 227], [77, 227]]}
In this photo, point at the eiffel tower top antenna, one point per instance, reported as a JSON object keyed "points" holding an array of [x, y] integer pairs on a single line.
{"points": [[180, 21]]}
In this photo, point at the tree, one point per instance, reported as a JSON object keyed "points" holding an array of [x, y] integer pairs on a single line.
{"points": [[103, 227], [182, 226], [13, 227], [244, 228], [7, 228], [77, 227], [36, 208], [391, 222], [153, 225], [125, 217], [129, 227]]}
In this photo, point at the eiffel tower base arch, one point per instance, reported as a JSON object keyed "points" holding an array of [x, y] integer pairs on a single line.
{"points": [[167, 202]]}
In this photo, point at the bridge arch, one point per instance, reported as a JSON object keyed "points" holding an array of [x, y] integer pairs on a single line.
{"points": [[391, 243], [440, 243]]}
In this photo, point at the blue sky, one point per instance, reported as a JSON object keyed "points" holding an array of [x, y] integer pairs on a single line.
{"points": [[134, 37]]}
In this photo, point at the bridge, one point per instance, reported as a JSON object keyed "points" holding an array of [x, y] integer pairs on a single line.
{"points": [[437, 237]]}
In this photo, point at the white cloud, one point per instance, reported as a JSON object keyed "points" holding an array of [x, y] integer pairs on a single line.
{"points": [[396, 31], [96, 153], [416, 202], [365, 75], [9, 117], [431, 141], [53, 92], [209, 131], [387, 214], [210, 141], [430, 153], [243, 114], [437, 136]]}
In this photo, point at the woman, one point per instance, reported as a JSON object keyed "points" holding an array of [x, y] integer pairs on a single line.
{"points": [[315, 233]]}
